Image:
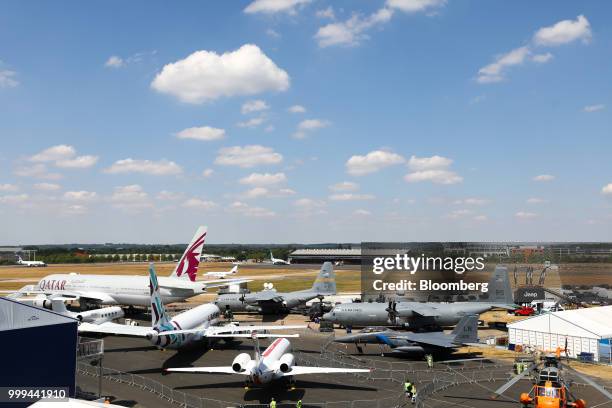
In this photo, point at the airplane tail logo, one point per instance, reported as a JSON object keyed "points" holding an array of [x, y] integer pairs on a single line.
{"points": [[187, 267], [159, 318], [466, 330], [325, 284]]}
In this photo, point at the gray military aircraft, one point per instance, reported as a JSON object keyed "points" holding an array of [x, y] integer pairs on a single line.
{"points": [[418, 344], [424, 315], [269, 301]]}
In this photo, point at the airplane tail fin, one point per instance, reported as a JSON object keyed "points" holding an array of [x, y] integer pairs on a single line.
{"points": [[325, 284], [187, 267], [499, 290], [466, 330], [234, 269], [159, 317]]}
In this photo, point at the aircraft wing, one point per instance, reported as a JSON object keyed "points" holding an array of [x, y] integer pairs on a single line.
{"points": [[302, 370], [437, 339], [424, 310], [115, 328], [67, 294], [231, 331], [211, 370], [267, 296]]}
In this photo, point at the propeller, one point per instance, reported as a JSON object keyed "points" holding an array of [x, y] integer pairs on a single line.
{"points": [[513, 381], [392, 311]]}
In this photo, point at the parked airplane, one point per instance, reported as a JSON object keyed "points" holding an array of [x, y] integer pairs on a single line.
{"points": [[275, 363], [270, 301], [199, 323], [96, 316], [466, 332], [416, 314], [131, 290], [20, 261], [222, 275], [278, 261]]}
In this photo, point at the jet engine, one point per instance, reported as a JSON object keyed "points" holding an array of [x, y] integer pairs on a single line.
{"points": [[240, 362], [286, 362], [42, 302]]}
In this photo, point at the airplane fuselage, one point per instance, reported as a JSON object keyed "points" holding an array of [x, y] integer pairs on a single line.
{"points": [[249, 302], [376, 314], [200, 317], [120, 289]]}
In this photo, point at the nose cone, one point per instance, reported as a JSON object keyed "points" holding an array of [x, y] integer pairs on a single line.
{"points": [[328, 317]]}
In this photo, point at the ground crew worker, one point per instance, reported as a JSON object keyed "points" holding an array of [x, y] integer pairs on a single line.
{"points": [[429, 358], [409, 389], [298, 404], [273, 403]]}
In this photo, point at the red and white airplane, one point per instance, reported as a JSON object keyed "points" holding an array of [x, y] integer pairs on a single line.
{"points": [[275, 363]]}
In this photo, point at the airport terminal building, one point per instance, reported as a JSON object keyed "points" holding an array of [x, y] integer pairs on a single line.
{"points": [[346, 256], [585, 332]]}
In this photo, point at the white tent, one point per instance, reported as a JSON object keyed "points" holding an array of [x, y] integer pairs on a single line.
{"points": [[587, 330]]}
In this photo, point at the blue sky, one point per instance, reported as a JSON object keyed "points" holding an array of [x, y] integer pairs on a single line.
{"points": [[305, 121]]}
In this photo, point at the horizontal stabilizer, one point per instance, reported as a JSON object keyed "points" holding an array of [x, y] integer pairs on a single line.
{"points": [[211, 370]]}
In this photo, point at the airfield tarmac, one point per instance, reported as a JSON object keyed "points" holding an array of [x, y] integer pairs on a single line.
{"points": [[137, 356]]}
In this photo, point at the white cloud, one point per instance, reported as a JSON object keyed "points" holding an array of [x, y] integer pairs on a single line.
{"points": [[199, 204], [284, 192], [352, 31], [275, 6], [296, 109], [166, 195], [535, 200], [429, 163], [263, 179], [372, 162], [524, 215], [415, 6], [130, 198], [13, 198], [542, 58], [114, 61], [248, 211], [247, 156], [607, 189], [64, 156], [434, 169], [544, 177], [344, 186], [80, 195], [256, 192], [37, 171], [204, 133], [8, 187], [80, 162], [326, 13], [256, 105], [251, 123], [54, 153], [205, 75], [564, 32], [309, 203], [435, 176], [594, 108], [207, 173], [455, 214], [351, 197], [480, 218], [495, 71], [361, 213], [156, 168], [272, 33], [309, 125], [473, 201], [74, 209], [7, 79]]}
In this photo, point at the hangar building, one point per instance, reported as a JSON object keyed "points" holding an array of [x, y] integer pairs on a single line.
{"points": [[585, 330], [39, 346]]}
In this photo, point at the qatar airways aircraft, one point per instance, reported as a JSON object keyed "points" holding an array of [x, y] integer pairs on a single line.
{"points": [[199, 323], [131, 290], [275, 363]]}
